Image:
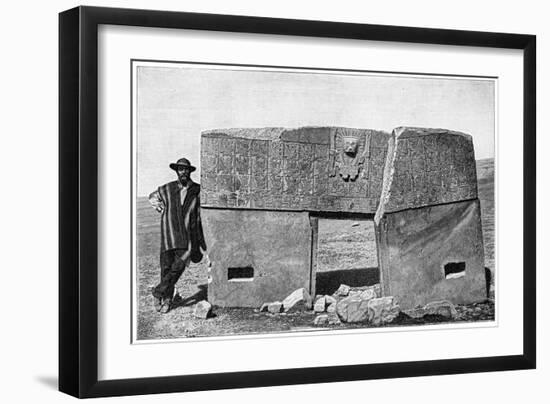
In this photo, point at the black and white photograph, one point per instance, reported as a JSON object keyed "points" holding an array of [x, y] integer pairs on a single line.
{"points": [[275, 202], [272, 200]]}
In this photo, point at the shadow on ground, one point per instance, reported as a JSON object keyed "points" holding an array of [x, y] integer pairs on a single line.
{"points": [[202, 294], [328, 282]]}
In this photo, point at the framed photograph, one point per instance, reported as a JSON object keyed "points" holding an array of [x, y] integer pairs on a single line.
{"points": [[251, 201]]}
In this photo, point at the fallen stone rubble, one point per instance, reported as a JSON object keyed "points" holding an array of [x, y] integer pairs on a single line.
{"points": [[297, 300], [367, 305], [442, 308], [202, 309]]}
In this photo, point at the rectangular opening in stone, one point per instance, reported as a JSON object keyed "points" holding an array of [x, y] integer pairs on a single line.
{"points": [[454, 270], [240, 274], [346, 254]]}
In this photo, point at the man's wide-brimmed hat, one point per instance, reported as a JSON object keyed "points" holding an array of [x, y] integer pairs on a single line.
{"points": [[182, 163]]}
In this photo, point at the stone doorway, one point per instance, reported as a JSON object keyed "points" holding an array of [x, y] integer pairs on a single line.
{"points": [[345, 253]]}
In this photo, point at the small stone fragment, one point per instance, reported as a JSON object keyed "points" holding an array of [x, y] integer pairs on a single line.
{"points": [[368, 294], [333, 319], [329, 300], [355, 224], [377, 289], [297, 300], [417, 312], [382, 310], [203, 309], [275, 307], [326, 319], [321, 319], [331, 308], [442, 308], [343, 290], [263, 307], [354, 292], [319, 305]]}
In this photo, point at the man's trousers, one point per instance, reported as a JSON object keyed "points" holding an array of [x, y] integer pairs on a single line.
{"points": [[171, 267]]}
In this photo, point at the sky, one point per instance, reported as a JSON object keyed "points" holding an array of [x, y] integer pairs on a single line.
{"points": [[176, 102]]}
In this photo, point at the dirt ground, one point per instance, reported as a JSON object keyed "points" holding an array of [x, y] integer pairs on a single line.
{"points": [[347, 254]]}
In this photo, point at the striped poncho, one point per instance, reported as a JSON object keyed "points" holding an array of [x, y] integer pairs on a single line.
{"points": [[180, 224]]}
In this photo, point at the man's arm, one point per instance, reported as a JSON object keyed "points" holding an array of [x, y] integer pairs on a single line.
{"points": [[156, 201]]}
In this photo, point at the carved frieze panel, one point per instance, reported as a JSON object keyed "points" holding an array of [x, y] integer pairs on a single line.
{"points": [[334, 169]]}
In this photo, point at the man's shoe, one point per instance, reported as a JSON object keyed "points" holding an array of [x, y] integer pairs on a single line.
{"points": [[157, 303], [165, 306]]}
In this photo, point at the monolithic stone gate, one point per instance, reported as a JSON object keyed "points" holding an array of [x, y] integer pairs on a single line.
{"points": [[263, 191]]}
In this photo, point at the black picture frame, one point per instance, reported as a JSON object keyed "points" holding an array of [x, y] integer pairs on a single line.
{"points": [[78, 200]]}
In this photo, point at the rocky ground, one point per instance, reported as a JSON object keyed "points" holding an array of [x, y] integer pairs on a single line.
{"points": [[347, 255]]}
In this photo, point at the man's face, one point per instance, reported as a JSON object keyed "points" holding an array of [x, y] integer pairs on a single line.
{"points": [[183, 174]]}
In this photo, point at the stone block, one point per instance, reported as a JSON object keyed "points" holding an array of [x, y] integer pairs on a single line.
{"points": [[440, 308], [417, 169], [382, 310], [321, 319], [326, 319], [320, 305], [343, 290], [354, 308], [297, 300], [368, 294], [257, 256], [293, 165], [275, 307], [432, 253], [202, 309]]}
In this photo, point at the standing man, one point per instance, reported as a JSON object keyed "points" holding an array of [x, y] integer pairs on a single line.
{"points": [[181, 230]]}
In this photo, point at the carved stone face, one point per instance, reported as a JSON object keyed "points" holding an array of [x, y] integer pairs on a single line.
{"points": [[350, 146]]}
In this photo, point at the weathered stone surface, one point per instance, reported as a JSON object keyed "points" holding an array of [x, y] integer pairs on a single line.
{"points": [[420, 182], [319, 305], [202, 309], [275, 245], [326, 319], [343, 290], [416, 245], [330, 304], [376, 289], [354, 309], [427, 167], [368, 294], [297, 300], [292, 169], [415, 312], [321, 319], [275, 307], [382, 310], [333, 319], [441, 308]]}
